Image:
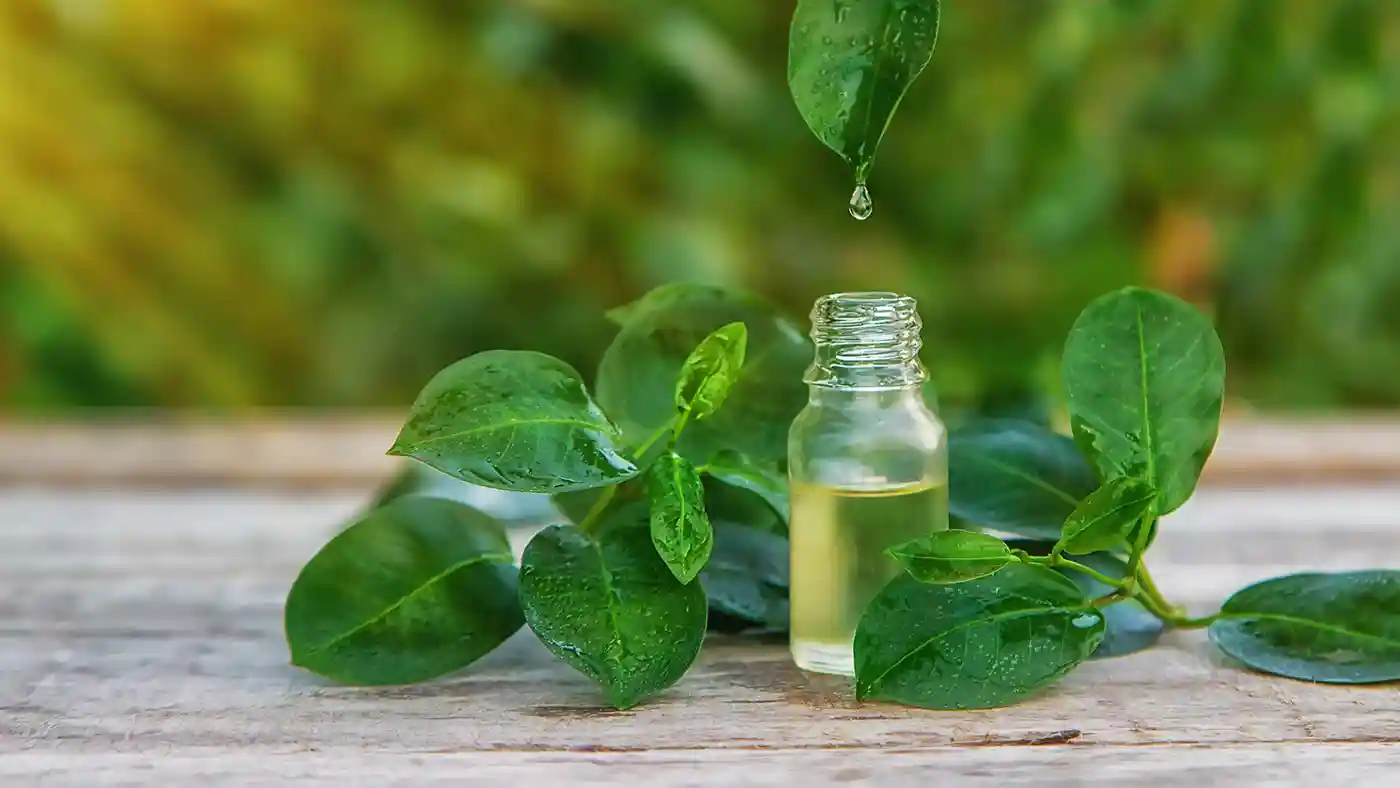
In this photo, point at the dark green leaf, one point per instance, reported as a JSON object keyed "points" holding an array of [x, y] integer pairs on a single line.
{"points": [[1331, 628], [1016, 477], [636, 379], [984, 643], [608, 606], [1108, 517], [735, 504], [850, 62], [747, 576], [513, 420], [680, 529], [1144, 379], [417, 589], [952, 556], [737, 470], [1129, 627], [711, 371]]}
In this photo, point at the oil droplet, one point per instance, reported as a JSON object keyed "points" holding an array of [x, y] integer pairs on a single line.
{"points": [[861, 205]]}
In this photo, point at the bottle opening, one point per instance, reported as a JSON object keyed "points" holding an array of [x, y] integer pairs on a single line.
{"points": [[866, 330]]}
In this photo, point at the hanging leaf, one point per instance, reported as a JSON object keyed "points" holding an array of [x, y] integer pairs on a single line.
{"points": [[1144, 378], [607, 606], [513, 420], [1332, 628], [417, 589], [711, 371], [850, 63], [1108, 518], [952, 556], [1016, 477], [680, 529]]}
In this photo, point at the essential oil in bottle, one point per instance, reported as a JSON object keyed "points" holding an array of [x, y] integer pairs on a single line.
{"points": [[867, 462]]}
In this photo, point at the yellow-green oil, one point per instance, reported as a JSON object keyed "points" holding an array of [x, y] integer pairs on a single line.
{"points": [[838, 542]]}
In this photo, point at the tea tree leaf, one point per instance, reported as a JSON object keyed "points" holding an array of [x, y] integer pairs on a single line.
{"points": [[608, 607], [1108, 517], [1331, 628], [711, 370], [851, 62], [952, 556], [974, 645], [636, 378], [513, 420], [1144, 378], [414, 590], [1016, 477], [680, 529], [747, 576], [739, 471], [1128, 627]]}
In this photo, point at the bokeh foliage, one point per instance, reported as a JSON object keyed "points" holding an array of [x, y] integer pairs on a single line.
{"points": [[235, 203]]}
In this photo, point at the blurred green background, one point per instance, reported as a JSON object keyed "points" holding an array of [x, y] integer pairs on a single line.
{"points": [[230, 204]]}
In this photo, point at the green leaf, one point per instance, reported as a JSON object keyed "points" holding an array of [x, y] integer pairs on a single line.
{"points": [[1016, 477], [576, 505], [1108, 518], [680, 529], [974, 645], [711, 370], [1331, 628], [851, 62], [608, 607], [747, 576], [735, 469], [1129, 628], [415, 590], [513, 420], [1144, 379], [636, 378], [952, 556]]}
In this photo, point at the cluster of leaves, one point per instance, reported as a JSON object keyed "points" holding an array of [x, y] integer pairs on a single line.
{"points": [[672, 481]]}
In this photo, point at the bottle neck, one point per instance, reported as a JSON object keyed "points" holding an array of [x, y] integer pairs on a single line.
{"points": [[865, 342]]}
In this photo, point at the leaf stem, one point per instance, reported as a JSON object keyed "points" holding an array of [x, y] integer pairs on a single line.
{"points": [[596, 511], [1060, 560], [1108, 599], [1139, 547], [680, 426], [1149, 586], [655, 436]]}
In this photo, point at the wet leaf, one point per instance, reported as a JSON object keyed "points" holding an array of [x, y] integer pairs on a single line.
{"points": [[417, 589], [984, 643], [610, 608], [1332, 628], [952, 556], [1144, 379], [850, 63], [513, 420], [637, 376], [1016, 477], [1108, 517], [710, 371], [680, 529], [736, 470], [1129, 628]]}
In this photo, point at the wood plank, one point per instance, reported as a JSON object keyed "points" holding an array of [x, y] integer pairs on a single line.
{"points": [[346, 451], [140, 643]]}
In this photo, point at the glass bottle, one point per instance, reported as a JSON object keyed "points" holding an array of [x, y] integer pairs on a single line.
{"points": [[868, 468]]}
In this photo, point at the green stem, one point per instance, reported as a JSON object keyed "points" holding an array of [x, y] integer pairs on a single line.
{"points": [[1149, 586], [679, 426], [1108, 599], [596, 511], [1060, 560], [1139, 547], [655, 436]]}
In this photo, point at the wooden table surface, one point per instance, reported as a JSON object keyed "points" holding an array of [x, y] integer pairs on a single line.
{"points": [[141, 644]]}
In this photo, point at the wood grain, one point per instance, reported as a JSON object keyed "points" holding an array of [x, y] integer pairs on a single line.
{"points": [[140, 643]]}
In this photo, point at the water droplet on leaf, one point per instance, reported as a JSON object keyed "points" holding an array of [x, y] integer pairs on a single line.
{"points": [[861, 205]]}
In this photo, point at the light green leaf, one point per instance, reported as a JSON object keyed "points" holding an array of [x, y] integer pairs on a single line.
{"points": [[680, 529], [711, 371], [850, 63], [952, 556], [974, 645], [608, 607], [513, 420], [1144, 379], [417, 589], [1108, 517]]}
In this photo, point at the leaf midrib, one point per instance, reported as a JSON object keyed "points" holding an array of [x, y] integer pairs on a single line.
{"points": [[1020, 474], [536, 422], [1148, 439], [1313, 624], [968, 625], [406, 598]]}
